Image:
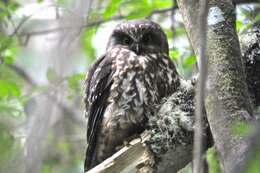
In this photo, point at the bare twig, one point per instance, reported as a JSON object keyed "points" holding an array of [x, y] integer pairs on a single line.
{"points": [[64, 106], [87, 25], [198, 139], [47, 31], [26, 18], [23, 74], [160, 11], [16, 30], [244, 1]]}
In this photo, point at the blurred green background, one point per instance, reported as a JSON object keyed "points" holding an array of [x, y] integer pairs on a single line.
{"points": [[46, 48]]}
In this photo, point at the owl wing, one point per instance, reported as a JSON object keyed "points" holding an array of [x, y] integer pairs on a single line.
{"points": [[98, 84]]}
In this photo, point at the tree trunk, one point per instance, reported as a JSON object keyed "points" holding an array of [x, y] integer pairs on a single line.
{"points": [[227, 100]]}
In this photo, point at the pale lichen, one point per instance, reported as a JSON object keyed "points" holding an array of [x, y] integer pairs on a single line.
{"points": [[172, 127]]}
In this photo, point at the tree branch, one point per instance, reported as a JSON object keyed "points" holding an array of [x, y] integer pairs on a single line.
{"points": [[237, 2], [199, 148], [64, 106], [87, 25], [135, 157], [160, 11], [47, 31], [33, 33]]}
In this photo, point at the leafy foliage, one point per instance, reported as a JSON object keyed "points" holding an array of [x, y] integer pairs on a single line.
{"points": [[86, 40], [6, 144]]}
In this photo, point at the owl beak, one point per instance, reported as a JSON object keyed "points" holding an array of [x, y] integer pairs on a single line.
{"points": [[136, 48]]}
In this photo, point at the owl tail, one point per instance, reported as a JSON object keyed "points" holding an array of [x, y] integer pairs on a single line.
{"points": [[90, 158]]}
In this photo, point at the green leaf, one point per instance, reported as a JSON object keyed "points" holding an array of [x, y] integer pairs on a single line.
{"points": [[135, 9], [189, 61], [138, 14], [168, 32], [5, 42], [6, 144], [111, 8], [40, 1], [174, 54], [142, 8], [11, 107], [256, 19], [46, 169], [9, 54], [140, 11], [253, 164], [13, 6], [9, 60], [74, 80], [161, 4], [9, 88], [212, 160], [75, 84], [86, 41], [180, 31], [63, 146], [248, 25], [239, 25], [63, 2], [2, 4]]}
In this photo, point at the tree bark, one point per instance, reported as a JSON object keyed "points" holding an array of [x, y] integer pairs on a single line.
{"points": [[227, 100]]}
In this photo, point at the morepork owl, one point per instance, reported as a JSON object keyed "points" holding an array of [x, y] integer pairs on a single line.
{"points": [[124, 86]]}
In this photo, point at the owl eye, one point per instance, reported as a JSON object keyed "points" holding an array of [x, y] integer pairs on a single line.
{"points": [[126, 40]]}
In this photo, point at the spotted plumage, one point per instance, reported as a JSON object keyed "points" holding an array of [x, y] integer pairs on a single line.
{"points": [[124, 86]]}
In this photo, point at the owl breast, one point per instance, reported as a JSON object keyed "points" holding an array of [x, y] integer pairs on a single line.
{"points": [[134, 86], [138, 84]]}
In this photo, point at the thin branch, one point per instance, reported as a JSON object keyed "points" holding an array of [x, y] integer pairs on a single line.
{"points": [[64, 106], [23, 74], [26, 18], [91, 24], [160, 11], [16, 30], [198, 131], [236, 2]]}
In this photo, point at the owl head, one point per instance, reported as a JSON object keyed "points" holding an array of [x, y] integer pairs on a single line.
{"points": [[140, 36]]}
